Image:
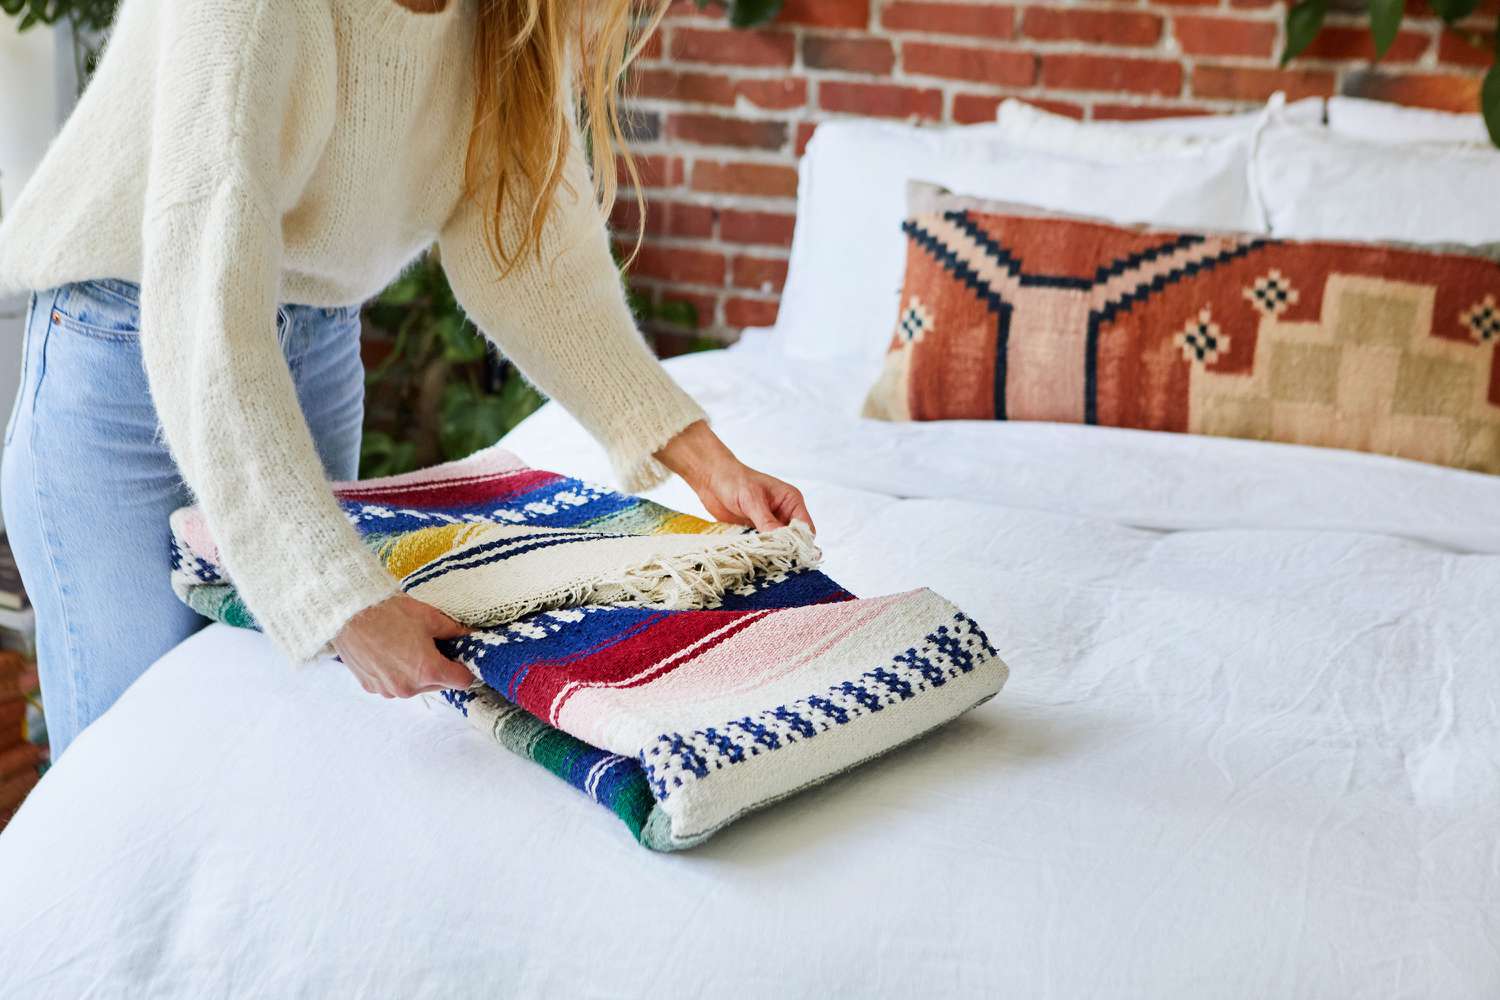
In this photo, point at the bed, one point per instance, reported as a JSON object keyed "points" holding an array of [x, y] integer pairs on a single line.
{"points": [[1250, 747]]}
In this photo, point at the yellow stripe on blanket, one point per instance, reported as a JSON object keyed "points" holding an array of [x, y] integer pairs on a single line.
{"points": [[406, 553]]}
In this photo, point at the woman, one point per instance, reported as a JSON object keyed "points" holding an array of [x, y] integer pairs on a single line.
{"points": [[231, 155]]}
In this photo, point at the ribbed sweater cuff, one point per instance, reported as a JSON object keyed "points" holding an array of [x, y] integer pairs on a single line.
{"points": [[636, 433], [304, 624]]}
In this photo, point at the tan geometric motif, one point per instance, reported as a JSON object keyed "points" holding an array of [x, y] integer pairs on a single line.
{"points": [[1368, 375], [1305, 373]]}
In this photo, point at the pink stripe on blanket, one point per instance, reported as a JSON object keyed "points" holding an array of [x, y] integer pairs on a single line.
{"points": [[747, 661], [659, 640], [482, 463], [494, 487], [190, 529], [491, 474]]}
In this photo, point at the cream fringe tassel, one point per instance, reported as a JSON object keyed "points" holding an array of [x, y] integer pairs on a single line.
{"points": [[682, 581]]}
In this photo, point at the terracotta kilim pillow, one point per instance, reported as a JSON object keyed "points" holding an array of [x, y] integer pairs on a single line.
{"points": [[1010, 314]]}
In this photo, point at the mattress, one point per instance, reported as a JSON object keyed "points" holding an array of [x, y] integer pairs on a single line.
{"points": [[1250, 747]]}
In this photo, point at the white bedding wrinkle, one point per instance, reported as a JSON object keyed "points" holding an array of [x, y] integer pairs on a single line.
{"points": [[1250, 748]]}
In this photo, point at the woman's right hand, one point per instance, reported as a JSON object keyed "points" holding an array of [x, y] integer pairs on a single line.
{"points": [[389, 647]]}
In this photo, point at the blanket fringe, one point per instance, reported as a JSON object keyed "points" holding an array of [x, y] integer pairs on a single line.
{"points": [[678, 582], [696, 579]]}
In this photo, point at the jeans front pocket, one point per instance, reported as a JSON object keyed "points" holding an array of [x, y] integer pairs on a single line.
{"points": [[107, 309]]}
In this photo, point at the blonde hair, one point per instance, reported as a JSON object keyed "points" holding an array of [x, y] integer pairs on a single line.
{"points": [[533, 59]]}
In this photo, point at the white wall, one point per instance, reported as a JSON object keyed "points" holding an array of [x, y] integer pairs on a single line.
{"points": [[30, 109], [36, 84]]}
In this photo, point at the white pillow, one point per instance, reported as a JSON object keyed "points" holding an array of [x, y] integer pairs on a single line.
{"points": [[1380, 121], [1117, 172], [1308, 110], [1317, 184], [844, 271], [848, 254]]}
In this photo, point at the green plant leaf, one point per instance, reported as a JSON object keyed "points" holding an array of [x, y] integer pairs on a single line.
{"points": [[751, 13], [679, 313], [704, 344], [1489, 100], [640, 304], [382, 455], [461, 343], [1303, 22], [405, 289], [1454, 10], [1385, 22], [517, 400], [472, 420]]}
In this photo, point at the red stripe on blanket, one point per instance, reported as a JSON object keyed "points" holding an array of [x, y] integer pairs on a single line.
{"points": [[661, 669], [494, 488], [618, 661]]}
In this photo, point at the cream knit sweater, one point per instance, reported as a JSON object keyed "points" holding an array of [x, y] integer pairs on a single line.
{"points": [[233, 154]]}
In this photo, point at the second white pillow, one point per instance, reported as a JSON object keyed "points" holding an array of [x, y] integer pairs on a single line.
{"points": [[844, 276]]}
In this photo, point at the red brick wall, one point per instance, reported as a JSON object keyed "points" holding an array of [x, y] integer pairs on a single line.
{"points": [[722, 115]]}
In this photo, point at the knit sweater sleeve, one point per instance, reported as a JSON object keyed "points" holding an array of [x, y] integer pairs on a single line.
{"points": [[211, 267], [564, 322]]}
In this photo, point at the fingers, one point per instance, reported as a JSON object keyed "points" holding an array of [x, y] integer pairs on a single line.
{"points": [[790, 506], [759, 511], [441, 672], [434, 673], [392, 649], [429, 673], [799, 513]]}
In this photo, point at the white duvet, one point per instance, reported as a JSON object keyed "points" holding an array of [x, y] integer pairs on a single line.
{"points": [[1250, 748]]}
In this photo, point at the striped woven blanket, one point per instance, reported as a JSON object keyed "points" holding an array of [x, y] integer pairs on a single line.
{"points": [[680, 672]]}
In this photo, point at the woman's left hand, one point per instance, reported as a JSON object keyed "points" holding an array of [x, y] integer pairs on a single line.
{"points": [[730, 489]]}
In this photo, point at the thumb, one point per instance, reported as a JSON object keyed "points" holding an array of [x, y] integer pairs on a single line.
{"points": [[443, 626]]}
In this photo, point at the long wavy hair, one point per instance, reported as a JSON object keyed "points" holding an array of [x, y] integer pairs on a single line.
{"points": [[539, 63]]}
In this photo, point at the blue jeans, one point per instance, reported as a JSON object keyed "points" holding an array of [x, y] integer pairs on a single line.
{"points": [[86, 486]]}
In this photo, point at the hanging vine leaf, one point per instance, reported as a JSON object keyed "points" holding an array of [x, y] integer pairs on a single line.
{"points": [[93, 15], [1303, 22], [1489, 99], [751, 13], [1385, 22], [1454, 10], [678, 312]]}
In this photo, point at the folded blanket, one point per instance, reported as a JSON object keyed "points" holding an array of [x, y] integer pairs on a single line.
{"points": [[678, 671]]}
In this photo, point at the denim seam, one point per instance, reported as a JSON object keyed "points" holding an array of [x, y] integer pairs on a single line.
{"points": [[98, 290], [111, 287], [49, 535], [85, 329]]}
